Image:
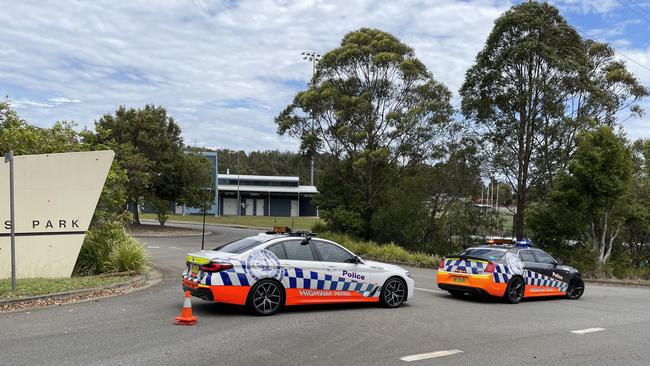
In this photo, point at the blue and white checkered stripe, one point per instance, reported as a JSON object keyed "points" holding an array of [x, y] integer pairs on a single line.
{"points": [[293, 278], [538, 279], [502, 274], [464, 266], [298, 278]]}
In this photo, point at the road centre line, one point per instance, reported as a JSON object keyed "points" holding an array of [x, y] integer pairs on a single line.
{"points": [[588, 330], [425, 356], [153, 247], [176, 248]]}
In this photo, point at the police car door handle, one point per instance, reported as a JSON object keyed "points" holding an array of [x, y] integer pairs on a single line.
{"points": [[331, 268]]}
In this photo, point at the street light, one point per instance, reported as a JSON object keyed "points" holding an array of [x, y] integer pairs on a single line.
{"points": [[206, 192], [314, 58]]}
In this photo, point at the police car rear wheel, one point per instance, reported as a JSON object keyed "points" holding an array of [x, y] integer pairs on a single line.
{"points": [[576, 288], [265, 298], [515, 290], [393, 293]]}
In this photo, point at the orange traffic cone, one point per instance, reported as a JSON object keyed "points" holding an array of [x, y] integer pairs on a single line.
{"points": [[186, 317]]}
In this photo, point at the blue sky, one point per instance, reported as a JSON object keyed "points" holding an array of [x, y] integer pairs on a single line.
{"points": [[224, 69]]}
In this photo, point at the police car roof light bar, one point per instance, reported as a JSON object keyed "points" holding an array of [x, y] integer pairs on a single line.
{"points": [[525, 243]]}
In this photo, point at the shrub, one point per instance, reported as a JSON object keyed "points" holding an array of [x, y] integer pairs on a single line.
{"points": [[127, 255], [383, 252], [319, 227], [109, 248]]}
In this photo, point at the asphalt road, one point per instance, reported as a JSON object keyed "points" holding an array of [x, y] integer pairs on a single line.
{"points": [[138, 329]]}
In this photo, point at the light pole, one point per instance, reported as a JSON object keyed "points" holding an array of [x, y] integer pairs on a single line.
{"points": [[206, 192], [9, 158], [312, 57]]}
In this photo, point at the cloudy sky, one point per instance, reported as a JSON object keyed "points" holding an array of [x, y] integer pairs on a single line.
{"points": [[225, 68]]}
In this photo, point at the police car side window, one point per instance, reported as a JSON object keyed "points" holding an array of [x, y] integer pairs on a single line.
{"points": [[526, 256], [278, 250], [298, 252], [543, 257], [332, 253]]}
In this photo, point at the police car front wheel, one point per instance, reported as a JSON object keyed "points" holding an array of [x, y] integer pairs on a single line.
{"points": [[576, 288], [265, 298], [393, 293]]}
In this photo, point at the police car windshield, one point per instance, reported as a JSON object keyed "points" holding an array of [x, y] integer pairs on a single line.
{"points": [[242, 245], [485, 253]]}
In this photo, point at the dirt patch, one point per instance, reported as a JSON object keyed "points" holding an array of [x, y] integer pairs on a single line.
{"points": [[159, 231]]}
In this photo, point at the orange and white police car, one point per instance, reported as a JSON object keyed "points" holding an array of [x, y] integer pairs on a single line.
{"points": [[513, 271], [272, 270]]}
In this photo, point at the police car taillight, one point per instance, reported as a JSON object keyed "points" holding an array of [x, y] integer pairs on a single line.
{"points": [[490, 267], [215, 267], [442, 263]]}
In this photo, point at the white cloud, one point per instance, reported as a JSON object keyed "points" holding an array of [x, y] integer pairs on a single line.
{"points": [[222, 69], [587, 6]]}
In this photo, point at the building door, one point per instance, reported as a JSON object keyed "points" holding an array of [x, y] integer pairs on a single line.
{"points": [[259, 207], [230, 206], [295, 209], [249, 206]]}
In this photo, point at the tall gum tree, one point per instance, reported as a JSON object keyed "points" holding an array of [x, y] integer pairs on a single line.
{"points": [[533, 87], [374, 106]]}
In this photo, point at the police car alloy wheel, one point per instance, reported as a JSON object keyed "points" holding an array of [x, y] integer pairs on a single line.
{"points": [[393, 293], [266, 298], [576, 288], [515, 290]]}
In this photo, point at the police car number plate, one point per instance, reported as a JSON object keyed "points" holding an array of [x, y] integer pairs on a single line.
{"points": [[195, 268], [459, 279]]}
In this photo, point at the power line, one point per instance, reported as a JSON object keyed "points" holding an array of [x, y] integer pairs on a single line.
{"points": [[634, 10], [639, 6], [617, 51]]}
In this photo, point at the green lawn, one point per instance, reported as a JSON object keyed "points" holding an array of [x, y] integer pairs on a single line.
{"points": [[43, 286], [296, 223]]}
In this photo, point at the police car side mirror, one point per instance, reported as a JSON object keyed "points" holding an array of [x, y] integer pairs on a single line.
{"points": [[559, 262], [357, 259]]}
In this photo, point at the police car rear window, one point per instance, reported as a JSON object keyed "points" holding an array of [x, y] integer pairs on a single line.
{"points": [[242, 245], [485, 253]]}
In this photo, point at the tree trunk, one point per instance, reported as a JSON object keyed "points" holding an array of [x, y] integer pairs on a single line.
{"points": [[135, 212], [518, 222]]}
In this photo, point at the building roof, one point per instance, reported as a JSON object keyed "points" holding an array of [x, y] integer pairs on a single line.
{"points": [[269, 189], [259, 177]]}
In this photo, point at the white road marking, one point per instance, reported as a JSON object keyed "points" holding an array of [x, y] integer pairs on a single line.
{"points": [[153, 247], [427, 290], [176, 248], [425, 356], [588, 330]]}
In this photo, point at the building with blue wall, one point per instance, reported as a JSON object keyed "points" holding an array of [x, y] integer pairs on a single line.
{"points": [[256, 195]]}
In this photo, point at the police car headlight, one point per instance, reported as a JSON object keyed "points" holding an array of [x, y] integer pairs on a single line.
{"points": [[408, 274]]}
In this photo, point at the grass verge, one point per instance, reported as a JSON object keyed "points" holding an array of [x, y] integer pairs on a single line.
{"points": [[383, 252], [296, 223], [44, 286]]}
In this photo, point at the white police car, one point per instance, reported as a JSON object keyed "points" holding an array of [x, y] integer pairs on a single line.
{"points": [[269, 271]]}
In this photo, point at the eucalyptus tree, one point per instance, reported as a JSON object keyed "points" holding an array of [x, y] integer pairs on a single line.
{"points": [[376, 109], [533, 87]]}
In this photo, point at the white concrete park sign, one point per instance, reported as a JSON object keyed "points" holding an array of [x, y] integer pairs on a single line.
{"points": [[55, 199]]}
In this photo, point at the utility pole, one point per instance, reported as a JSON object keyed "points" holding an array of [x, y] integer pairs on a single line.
{"points": [[206, 192], [312, 57], [9, 158], [238, 197]]}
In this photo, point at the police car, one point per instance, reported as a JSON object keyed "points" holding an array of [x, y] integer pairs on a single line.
{"points": [[276, 269], [513, 271]]}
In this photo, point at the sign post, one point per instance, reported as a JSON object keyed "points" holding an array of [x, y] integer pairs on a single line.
{"points": [[9, 157]]}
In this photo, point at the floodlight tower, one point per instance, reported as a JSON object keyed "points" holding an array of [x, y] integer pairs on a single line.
{"points": [[312, 57]]}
